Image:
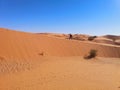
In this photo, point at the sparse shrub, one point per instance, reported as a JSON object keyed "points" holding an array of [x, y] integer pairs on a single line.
{"points": [[91, 38], [92, 54], [41, 54]]}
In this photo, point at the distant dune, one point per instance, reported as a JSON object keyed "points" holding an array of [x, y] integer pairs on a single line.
{"points": [[112, 36], [47, 61]]}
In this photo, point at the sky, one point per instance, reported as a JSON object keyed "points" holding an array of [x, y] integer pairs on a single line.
{"points": [[94, 17]]}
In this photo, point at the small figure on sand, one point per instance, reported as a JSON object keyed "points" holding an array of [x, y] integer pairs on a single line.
{"points": [[70, 36]]}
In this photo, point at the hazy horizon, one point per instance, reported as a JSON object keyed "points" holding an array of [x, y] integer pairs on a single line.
{"points": [[94, 17]]}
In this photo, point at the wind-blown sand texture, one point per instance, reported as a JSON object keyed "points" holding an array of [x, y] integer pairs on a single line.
{"points": [[42, 62]]}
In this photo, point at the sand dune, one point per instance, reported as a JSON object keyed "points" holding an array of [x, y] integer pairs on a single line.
{"points": [[112, 37], [27, 45], [30, 61], [106, 39]]}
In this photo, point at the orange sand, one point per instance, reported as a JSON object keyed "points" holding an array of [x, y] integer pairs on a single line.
{"points": [[62, 67]]}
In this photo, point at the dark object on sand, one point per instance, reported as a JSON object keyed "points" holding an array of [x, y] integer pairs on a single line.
{"points": [[92, 54], [70, 36], [92, 38], [41, 54]]}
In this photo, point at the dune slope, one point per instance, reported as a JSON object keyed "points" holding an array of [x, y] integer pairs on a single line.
{"points": [[23, 45]]}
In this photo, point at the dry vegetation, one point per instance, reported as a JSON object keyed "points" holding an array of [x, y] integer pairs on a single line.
{"points": [[92, 54]]}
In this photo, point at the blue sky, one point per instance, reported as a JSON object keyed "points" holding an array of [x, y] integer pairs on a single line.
{"points": [[95, 17]]}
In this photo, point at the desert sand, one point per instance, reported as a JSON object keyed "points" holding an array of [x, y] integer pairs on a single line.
{"points": [[30, 61]]}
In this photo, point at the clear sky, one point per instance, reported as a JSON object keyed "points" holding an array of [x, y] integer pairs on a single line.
{"points": [[95, 17]]}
